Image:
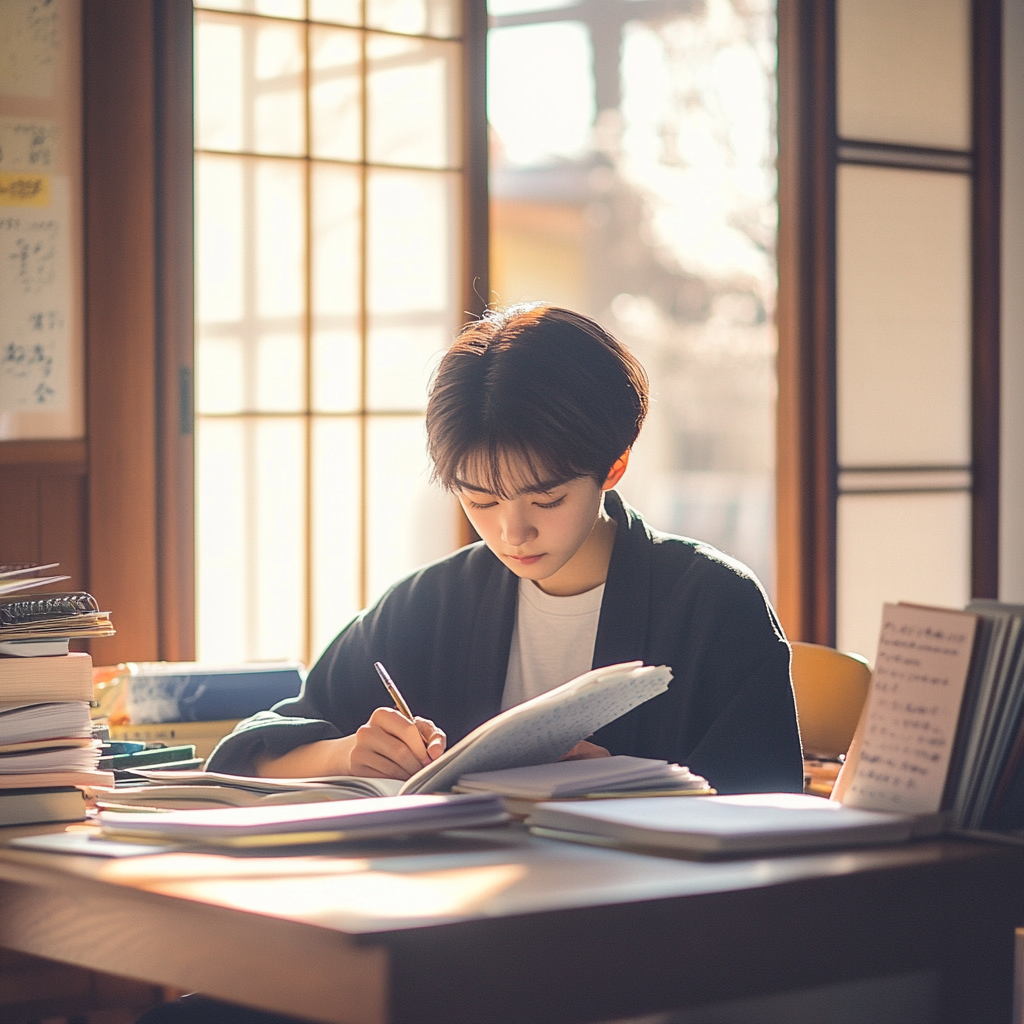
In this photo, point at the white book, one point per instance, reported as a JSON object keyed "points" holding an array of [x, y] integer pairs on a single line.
{"points": [[717, 825], [27, 722], [333, 821], [577, 778]]}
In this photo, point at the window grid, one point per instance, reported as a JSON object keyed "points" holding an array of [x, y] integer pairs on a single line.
{"points": [[309, 414]]}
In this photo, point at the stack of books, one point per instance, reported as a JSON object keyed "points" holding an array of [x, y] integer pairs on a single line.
{"points": [[47, 748]]}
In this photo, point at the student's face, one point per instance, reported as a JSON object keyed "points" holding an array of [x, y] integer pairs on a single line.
{"points": [[536, 532]]}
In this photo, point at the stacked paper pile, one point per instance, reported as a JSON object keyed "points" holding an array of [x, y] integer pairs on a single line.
{"points": [[46, 743]]}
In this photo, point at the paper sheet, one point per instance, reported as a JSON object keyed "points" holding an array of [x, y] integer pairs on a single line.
{"points": [[28, 144], [36, 299], [913, 707], [29, 44], [543, 729]]}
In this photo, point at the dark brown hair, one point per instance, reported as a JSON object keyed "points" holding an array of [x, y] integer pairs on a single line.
{"points": [[543, 386]]}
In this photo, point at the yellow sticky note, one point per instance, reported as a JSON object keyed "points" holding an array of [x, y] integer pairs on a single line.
{"points": [[24, 189]]}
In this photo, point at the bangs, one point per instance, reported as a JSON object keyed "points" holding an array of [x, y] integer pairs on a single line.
{"points": [[506, 470]]}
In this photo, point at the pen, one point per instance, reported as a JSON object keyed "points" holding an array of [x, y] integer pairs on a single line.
{"points": [[395, 693]]}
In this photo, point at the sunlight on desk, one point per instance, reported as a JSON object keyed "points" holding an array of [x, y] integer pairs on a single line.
{"points": [[371, 894]]}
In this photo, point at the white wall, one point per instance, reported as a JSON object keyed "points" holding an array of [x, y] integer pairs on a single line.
{"points": [[1011, 540]]}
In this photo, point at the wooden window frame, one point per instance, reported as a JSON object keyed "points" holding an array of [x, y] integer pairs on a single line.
{"points": [[809, 149]]}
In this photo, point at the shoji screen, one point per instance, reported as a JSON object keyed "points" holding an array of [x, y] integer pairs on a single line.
{"points": [[903, 309], [330, 179]]}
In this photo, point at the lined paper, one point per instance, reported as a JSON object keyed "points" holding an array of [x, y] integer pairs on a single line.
{"points": [[916, 692]]}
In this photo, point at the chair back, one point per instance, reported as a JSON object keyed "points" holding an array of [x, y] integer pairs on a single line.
{"points": [[830, 689]]}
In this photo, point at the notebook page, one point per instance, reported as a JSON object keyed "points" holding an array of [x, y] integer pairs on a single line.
{"points": [[911, 717], [543, 729]]}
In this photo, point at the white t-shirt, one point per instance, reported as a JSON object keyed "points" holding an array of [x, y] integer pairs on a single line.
{"points": [[552, 641]]}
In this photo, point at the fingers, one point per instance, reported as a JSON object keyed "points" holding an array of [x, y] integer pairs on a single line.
{"points": [[433, 738], [584, 751], [389, 745]]}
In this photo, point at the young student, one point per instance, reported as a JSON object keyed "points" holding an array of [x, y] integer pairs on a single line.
{"points": [[531, 417]]}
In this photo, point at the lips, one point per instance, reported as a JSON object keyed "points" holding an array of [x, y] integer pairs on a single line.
{"points": [[525, 559]]}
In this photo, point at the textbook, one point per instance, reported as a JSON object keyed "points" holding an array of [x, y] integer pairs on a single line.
{"points": [[41, 806], [719, 825], [336, 821], [176, 692], [26, 722], [39, 680]]}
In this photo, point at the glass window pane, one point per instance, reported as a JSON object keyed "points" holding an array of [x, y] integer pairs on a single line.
{"points": [[278, 83], [335, 93], [218, 70], [409, 521], [548, 113], [635, 180], [337, 356], [220, 239], [222, 561], [275, 286], [412, 102], [338, 12], [220, 284], [413, 265], [335, 525], [898, 547], [274, 8], [277, 550], [903, 317], [250, 77], [903, 70], [251, 539], [417, 17]]}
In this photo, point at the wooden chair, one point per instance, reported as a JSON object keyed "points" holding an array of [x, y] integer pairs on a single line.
{"points": [[830, 688]]}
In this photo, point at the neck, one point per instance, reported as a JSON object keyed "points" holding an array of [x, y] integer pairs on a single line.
{"points": [[588, 568]]}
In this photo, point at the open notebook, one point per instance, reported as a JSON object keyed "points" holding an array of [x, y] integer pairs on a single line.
{"points": [[538, 731]]}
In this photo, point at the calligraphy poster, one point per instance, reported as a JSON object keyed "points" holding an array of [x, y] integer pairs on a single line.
{"points": [[35, 293]]}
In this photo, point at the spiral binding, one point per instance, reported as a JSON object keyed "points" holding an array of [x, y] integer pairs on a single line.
{"points": [[52, 606]]}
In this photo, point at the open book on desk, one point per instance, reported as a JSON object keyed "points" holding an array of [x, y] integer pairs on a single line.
{"points": [[538, 731]]}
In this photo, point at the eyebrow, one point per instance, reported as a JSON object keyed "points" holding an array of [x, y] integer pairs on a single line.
{"points": [[540, 487]]}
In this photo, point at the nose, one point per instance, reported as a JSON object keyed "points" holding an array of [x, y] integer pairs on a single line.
{"points": [[516, 528]]}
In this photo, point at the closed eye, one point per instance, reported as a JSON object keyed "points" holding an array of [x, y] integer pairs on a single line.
{"points": [[478, 504], [550, 504]]}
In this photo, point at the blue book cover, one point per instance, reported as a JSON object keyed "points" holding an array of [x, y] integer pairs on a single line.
{"points": [[169, 692]]}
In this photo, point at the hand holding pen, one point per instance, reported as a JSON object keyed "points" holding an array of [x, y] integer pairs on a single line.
{"points": [[395, 744]]}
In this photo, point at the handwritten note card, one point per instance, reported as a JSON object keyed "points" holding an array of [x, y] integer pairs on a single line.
{"points": [[35, 297], [923, 658]]}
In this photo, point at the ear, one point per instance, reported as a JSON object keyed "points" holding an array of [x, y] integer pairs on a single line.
{"points": [[616, 472]]}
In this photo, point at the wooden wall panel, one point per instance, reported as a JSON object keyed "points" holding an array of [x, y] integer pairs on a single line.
{"points": [[43, 506], [120, 323]]}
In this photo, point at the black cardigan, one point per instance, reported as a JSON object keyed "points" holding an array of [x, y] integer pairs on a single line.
{"points": [[445, 632]]}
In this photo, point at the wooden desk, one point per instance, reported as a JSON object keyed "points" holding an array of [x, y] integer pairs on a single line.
{"points": [[503, 927]]}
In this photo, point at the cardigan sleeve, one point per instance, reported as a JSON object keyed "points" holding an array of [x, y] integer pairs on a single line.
{"points": [[736, 661]]}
